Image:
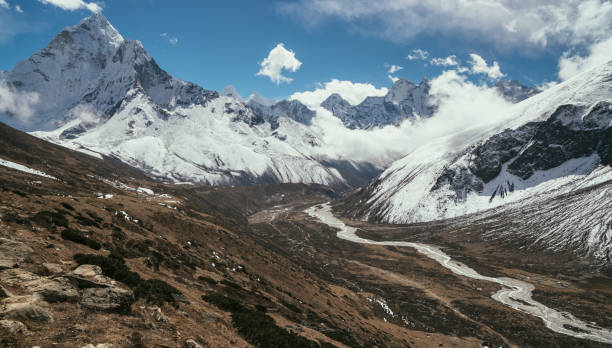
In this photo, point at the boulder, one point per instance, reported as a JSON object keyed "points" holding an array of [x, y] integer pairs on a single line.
{"points": [[192, 344], [87, 271], [12, 327], [90, 276], [29, 307], [12, 253], [107, 299], [53, 268], [58, 289], [17, 277]]}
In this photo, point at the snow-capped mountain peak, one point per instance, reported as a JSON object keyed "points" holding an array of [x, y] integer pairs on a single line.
{"points": [[230, 91], [105, 95], [400, 90], [256, 98]]}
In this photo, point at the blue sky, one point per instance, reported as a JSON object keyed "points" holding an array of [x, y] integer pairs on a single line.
{"points": [[223, 42]]}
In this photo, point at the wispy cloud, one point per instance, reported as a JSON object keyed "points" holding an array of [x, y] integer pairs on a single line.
{"points": [[459, 100], [417, 54], [173, 40], [279, 59], [18, 9], [506, 23], [73, 5], [17, 104], [4, 4], [446, 61], [572, 64], [394, 69]]}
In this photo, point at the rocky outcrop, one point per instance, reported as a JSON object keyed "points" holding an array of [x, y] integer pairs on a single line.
{"points": [[112, 299], [12, 327], [12, 253], [26, 308]]}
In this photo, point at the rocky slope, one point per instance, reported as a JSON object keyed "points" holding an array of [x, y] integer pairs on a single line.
{"points": [[103, 94], [553, 144], [95, 253]]}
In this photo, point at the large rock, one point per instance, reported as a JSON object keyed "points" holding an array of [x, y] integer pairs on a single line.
{"points": [[90, 276], [12, 253], [107, 299], [12, 327], [17, 277], [59, 289], [192, 344], [26, 308], [53, 268]]}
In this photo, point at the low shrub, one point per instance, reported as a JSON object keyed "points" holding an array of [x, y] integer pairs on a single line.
{"points": [[207, 280], [79, 237], [154, 291], [258, 328], [50, 219], [67, 206]]}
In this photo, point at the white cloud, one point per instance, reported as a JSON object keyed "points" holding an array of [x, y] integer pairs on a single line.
{"points": [[17, 104], [393, 78], [352, 92], [73, 5], [572, 64], [18, 9], [4, 4], [394, 68], [279, 59], [460, 103], [173, 40], [479, 66], [506, 23], [417, 54], [447, 61]]}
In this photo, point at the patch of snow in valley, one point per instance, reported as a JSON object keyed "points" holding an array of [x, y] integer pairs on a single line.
{"points": [[25, 169]]}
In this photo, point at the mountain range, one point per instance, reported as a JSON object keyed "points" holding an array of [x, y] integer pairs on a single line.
{"points": [[116, 102]]}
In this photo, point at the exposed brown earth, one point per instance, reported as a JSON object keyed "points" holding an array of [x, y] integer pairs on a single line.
{"points": [[186, 242]]}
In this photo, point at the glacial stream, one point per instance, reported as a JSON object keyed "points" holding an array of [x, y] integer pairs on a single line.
{"points": [[515, 293]]}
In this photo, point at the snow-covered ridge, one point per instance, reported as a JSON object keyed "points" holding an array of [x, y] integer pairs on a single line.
{"points": [[554, 143]]}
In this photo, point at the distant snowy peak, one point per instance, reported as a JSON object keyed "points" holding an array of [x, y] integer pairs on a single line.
{"points": [[292, 109], [405, 100], [230, 91], [514, 91], [256, 98]]}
